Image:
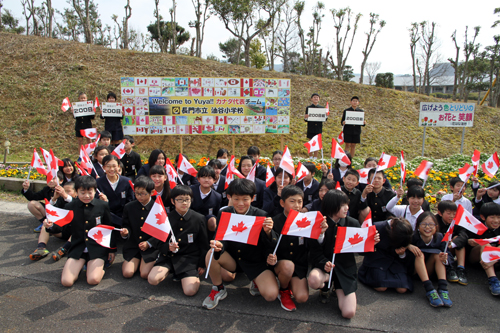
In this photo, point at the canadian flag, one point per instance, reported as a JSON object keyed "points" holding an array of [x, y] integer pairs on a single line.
{"points": [[83, 171], [338, 187], [48, 158], [490, 253], [86, 163], [487, 241], [119, 150], [340, 138], [350, 239], [269, 176], [90, 133], [314, 144], [251, 174], [490, 167], [465, 172], [368, 221], [66, 104], [239, 228], [90, 147], [184, 165], [96, 103], [102, 235], [157, 223], [301, 171], [303, 224], [171, 174], [403, 167], [338, 152], [287, 162], [51, 162], [423, 169], [475, 160], [36, 163], [59, 216], [449, 234], [466, 220], [386, 161], [363, 175], [231, 172]]}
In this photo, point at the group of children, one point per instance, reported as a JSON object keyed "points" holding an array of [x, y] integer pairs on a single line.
{"points": [[123, 192]]}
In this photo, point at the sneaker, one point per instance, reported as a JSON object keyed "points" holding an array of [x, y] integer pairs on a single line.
{"points": [[286, 300], [434, 298], [215, 296], [39, 228], [84, 268], [175, 278], [445, 298], [59, 253], [254, 290], [462, 276], [324, 296], [39, 253], [451, 274], [494, 287]]}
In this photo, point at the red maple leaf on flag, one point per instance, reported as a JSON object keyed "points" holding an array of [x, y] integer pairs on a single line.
{"points": [[363, 174], [340, 150], [98, 236], [467, 219], [467, 175], [304, 223], [171, 173], [427, 171], [52, 213], [314, 144], [494, 257], [490, 165], [39, 161], [381, 163], [239, 228], [161, 218], [122, 151], [355, 240], [303, 174]]}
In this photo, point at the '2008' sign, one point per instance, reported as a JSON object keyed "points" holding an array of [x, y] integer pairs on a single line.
{"points": [[81, 109]]}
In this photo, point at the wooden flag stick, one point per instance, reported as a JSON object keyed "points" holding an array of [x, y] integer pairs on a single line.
{"points": [[276, 248], [331, 272], [321, 154]]}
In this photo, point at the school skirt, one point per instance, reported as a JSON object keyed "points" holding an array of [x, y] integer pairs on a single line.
{"points": [[377, 277]]}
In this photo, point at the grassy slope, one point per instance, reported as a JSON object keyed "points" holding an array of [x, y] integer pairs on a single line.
{"points": [[37, 73]]}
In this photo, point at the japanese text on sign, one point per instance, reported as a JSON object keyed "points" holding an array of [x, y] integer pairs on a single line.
{"points": [[447, 114]]}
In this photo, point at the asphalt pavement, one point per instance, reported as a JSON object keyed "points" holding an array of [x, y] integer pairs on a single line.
{"points": [[33, 299]]}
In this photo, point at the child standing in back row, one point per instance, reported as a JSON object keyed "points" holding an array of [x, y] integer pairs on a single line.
{"points": [[82, 122], [352, 133]]}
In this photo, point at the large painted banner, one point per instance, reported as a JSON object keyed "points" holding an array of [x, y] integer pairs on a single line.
{"points": [[193, 105]]}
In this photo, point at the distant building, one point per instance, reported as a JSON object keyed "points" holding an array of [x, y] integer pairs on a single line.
{"points": [[442, 77]]}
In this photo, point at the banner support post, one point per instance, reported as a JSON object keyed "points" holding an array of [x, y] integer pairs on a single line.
{"points": [[423, 141], [232, 142], [181, 145], [463, 137]]}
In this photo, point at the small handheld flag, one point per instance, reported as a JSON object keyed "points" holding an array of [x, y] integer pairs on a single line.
{"points": [[66, 104], [314, 144]]}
